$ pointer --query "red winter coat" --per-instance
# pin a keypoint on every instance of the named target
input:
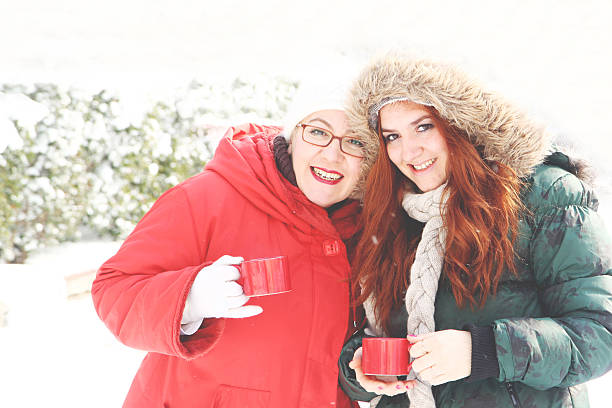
(239, 205)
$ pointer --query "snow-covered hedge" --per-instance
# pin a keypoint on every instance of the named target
(72, 161)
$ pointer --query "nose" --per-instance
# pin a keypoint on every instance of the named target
(411, 148)
(332, 151)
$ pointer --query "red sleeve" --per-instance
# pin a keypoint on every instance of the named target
(141, 291)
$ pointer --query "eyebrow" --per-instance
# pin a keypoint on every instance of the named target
(414, 122)
(322, 121)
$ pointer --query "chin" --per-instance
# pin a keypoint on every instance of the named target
(429, 187)
(321, 202)
(324, 198)
(325, 202)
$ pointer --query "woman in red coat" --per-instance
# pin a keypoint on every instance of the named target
(171, 288)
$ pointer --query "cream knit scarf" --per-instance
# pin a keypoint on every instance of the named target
(424, 275)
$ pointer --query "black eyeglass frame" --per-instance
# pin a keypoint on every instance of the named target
(304, 125)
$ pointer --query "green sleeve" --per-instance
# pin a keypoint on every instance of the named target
(570, 257)
(346, 375)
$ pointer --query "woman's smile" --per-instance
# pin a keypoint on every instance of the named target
(326, 176)
(423, 166)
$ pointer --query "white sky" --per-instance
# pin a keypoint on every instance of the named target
(551, 56)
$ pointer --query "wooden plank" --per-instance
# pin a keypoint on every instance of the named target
(79, 284)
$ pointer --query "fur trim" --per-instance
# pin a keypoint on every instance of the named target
(569, 159)
(497, 128)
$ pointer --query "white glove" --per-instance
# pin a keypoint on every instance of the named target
(442, 356)
(215, 293)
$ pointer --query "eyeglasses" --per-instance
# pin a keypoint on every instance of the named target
(321, 137)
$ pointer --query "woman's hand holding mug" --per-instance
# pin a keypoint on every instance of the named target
(442, 356)
(381, 385)
(215, 293)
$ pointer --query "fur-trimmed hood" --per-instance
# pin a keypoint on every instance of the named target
(498, 129)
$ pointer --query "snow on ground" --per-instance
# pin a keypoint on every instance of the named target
(56, 352)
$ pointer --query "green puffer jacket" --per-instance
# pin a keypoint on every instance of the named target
(549, 326)
(552, 323)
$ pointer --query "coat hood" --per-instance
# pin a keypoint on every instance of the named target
(245, 159)
(500, 131)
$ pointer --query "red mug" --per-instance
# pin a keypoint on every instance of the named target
(264, 276)
(385, 356)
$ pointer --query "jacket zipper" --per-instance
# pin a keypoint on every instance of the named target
(513, 396)
(356, 325)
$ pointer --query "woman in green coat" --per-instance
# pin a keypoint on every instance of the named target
(480, 244)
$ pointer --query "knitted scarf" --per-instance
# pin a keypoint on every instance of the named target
(424, 275)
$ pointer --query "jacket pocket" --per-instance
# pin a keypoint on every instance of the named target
(228, 396)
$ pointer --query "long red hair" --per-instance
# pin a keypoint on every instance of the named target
(481, 221)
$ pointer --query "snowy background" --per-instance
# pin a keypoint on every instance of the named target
(553, 58)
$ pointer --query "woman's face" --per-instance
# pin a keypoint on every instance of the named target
(325, 175)
(415, 144)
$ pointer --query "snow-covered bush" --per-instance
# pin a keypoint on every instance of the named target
(86, 162)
